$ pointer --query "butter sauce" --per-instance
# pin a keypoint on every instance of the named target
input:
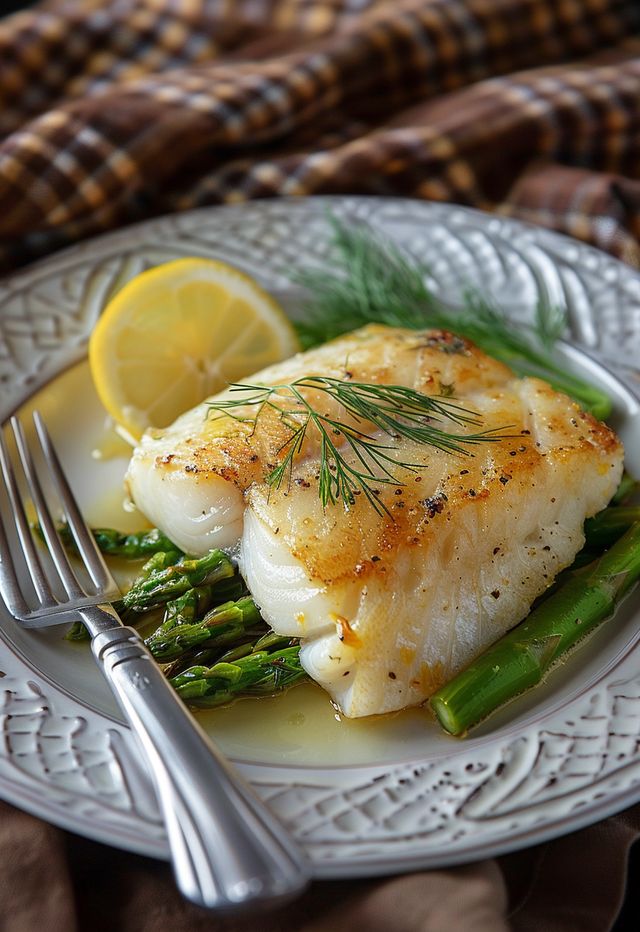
(299, 727)
(111, 446)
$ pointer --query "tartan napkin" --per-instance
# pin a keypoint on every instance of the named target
(114, 112)
(111, 113)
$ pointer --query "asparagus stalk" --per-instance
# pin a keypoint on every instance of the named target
(114, 543)
(188, 607)
(77, 632)
(605, 528)
(203, 657)
(206, 656)
(223, 625)
(195, 602)
(183, 610)
(161, 582)
(159, 561)
(522, 657)
(228, 590)
(133, 546)
(626, 490)
(259, 673)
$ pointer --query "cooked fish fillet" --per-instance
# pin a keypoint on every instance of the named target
(390, 607)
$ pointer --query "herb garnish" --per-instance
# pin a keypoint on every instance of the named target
(394, 410)
(370, 280)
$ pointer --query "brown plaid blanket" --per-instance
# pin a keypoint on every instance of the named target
(112, 112)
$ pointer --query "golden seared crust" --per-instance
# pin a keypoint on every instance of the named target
(545, 430)
(207, 443)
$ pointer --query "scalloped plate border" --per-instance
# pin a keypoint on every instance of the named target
(561, 770)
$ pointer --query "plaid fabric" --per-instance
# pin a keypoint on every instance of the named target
(110, 113)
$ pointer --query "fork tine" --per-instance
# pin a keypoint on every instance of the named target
(29, 549)
(56, 548)
(9, 585)
(85, 541)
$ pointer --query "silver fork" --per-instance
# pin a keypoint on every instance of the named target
(227, 849)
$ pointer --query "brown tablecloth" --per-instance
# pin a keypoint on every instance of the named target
(54, 882)
(113, 112)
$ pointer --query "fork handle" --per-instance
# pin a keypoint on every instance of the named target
(227, 849)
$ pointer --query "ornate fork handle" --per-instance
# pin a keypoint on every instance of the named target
(227, 849)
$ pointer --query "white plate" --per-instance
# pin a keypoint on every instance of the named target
(363, 797)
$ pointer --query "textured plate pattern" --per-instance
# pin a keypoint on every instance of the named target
(557, 771)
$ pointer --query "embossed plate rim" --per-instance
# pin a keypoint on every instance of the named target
(366, 855)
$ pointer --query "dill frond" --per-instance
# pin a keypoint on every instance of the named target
(370, 280)
(395, 411)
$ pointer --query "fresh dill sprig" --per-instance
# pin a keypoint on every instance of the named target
(370, 280)
(394, 410)
(550, 323)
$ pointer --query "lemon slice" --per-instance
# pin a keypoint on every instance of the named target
(179, 333)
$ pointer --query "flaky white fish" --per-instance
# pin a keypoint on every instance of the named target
(390, 605)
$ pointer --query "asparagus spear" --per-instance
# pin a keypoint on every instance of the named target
(626, 490)
(223, 625)
(522, 657)
(206, 656)
(77, 632)
(258, 674)
(606, 527)
(114, 543)
(133, 546)
(203, 657)
(195, 602)
(188, 607)
(159, 561)
(228, 590)
(162, 583)
(183, 610)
